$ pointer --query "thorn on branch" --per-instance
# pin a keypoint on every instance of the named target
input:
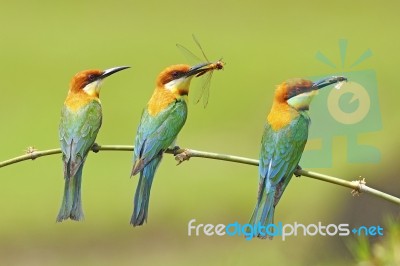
(357, 191)
(183, 155)
(31, 151)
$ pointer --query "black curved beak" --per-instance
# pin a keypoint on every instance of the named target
(328, 81)
(200, 68)
(110, 71)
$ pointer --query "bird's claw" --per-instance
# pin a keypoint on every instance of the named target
(298, 168)
(176, 150)
(95, 147)
(182, 156)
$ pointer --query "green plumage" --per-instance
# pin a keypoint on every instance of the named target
(155, 134)
(280, 154)
(77, 132)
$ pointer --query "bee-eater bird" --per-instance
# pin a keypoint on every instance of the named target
(81, 118)
(160, 124)
(282, 144)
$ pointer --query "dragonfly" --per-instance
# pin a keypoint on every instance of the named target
(204, 91)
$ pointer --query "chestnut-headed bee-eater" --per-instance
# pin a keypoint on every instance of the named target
(160, 124)
(282, 144)
(80, 122)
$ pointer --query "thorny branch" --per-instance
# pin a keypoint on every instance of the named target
(182, 155)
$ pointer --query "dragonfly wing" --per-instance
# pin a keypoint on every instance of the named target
(206, 88)
(201, 48)
(191, 57)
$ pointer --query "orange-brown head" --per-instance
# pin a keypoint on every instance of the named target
(177, 78)
(174, 79)
(287, 91)
(298, 93)
(173, 83)
(89, 81)
(295, 95)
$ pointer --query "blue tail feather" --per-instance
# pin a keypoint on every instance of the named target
(263, 213)
(71, 206)
(142, 195)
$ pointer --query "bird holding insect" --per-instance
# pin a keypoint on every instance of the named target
(204, 91)
(161, 121)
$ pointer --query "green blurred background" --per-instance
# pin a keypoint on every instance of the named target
(263, 43)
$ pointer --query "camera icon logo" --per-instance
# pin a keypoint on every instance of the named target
(349, 112)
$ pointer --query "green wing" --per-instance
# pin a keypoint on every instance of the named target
(156, 133)
(280, 154)
(77, 133)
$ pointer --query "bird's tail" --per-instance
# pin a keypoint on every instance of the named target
(142, 195)
(263, 214)
(71, 206)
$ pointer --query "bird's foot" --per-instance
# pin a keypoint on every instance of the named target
(95, 147)
(176, 150)
(183, 155)
(296, 172)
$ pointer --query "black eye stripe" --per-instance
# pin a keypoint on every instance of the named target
(177, 74)
(91, 77)
(173, 75)
(298, 90)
